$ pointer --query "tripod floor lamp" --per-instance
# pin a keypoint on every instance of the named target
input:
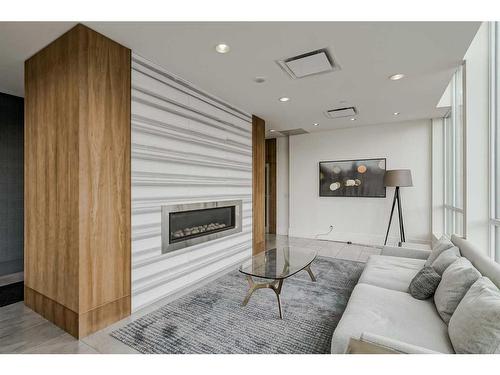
(397, 178)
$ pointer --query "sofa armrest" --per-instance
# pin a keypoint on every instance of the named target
(393, 345)
(404, 252)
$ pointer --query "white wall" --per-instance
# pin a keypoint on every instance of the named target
(477, 113)
(363, 220)
(282, 183)
(187, 147)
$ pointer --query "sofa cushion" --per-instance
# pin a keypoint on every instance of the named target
(455, 282)
(445, 259)
(477, 256)
(475, 325)
(390, 272)
(424, 283)
(393, 314)
(441, 245)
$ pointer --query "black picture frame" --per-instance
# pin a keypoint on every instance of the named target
(367, 184)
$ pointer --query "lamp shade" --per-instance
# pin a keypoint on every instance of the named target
(398, 177)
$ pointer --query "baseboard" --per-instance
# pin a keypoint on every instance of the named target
(51, 310)
(103, 316)
(360, 238)
(77, 325)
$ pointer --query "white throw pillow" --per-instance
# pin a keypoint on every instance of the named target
(441, 245)
(475, 325)
(455, 282)
(445, 259)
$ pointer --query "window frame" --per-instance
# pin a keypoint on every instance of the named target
(494, 128)
(454, 215)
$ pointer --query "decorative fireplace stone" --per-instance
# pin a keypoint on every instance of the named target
(184, 225)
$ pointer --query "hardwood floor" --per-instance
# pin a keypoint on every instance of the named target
(24, 331)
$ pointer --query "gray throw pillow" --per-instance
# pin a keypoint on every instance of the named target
(455, 282)
(424, 283)
(441, 245)
(445, 259)
(475, 325)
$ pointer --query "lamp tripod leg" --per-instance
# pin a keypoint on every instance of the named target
(401, 223)
(390, 218)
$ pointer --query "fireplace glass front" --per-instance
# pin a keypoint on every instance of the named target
(196, 223)
(185, 225)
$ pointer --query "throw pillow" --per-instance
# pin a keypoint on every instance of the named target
(455, 282)
(475, 325)
(424, 283)
(445, 259)
(441, 245)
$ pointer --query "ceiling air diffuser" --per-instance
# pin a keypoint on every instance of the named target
(308, 64)
(341, 112)
(293, 132)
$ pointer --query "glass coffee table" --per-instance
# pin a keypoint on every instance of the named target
(276, 265)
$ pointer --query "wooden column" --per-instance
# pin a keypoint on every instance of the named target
(258, 184)
(77, 181)
(271, 193)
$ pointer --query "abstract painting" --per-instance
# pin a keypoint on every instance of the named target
(352, 178)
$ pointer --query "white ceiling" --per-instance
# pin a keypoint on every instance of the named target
(367, 52)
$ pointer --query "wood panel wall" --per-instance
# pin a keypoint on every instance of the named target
(77, 181)
(271, 193)
(258, 183)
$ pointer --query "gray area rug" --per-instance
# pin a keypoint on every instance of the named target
(212, 320)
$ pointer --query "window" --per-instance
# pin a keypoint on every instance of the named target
(453, 137)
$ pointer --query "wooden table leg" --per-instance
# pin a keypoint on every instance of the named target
(308, 269)
(274, 285)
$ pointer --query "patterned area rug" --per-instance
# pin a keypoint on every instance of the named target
(212, 320)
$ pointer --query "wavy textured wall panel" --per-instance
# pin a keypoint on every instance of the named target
(187, 147)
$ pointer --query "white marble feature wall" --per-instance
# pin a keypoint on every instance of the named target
(187, 147)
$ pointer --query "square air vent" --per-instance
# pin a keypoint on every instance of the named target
(293, 132)
(341, 112)
(308, 64)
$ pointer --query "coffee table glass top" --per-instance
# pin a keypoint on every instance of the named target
(278, 263)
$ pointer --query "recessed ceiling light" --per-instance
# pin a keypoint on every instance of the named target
(316, 124)
(284, 99)
(396, 77)
(222, 48)
(353, 119)
(259, 79)
(396, 113)
(271, 130)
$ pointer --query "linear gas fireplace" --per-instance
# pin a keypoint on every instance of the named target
(186, 225)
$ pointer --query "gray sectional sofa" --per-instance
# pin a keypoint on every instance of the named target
(382, 312)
